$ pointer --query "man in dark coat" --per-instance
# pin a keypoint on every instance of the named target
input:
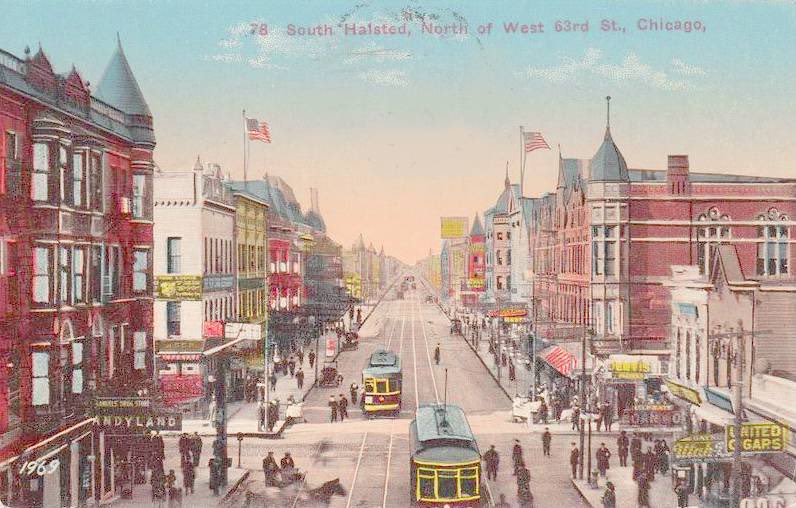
(437, 354)
(609, 496)
(516, 455)
(682, 494)
(543, 412)
(574, 457)
(354, 389)
(650, 464)
(270, 469)
(492, 460)
(576, 417)
(635, 447)
(273, 415)
(546, 439)
(300, 378)
(311, 358)
(183, 444)
(623, 444)
(332, 409)
(603, 455)
(608, 416)
(342, 407)
(287, 461)
(215, 476)
(157, 447)
(196, 448)
(523, 479)
(643, 491)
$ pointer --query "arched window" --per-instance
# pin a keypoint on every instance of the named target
(772, 244)
(712, 231)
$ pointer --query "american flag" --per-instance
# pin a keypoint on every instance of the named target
(258, 130)
(534, 141)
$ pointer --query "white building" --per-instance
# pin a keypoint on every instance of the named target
(194, 270)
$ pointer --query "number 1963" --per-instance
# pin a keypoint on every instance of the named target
(39, 467)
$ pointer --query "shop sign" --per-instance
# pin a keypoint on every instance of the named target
(697, 446)
(213, 329)
(121, 405)
(251, 283)
(757, 437)
(632, 366)
(653, 415)
(453, 227)
(140, 421)
(475, 283)
(177, 389)
(178, 287)
(218, 282)
(683, 392)
(179, 346)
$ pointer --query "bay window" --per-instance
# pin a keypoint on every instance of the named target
(140, 270)
(139, 193)
(65, 280)
(78, 179)
(39, 190)
(139, 347)
(77, 367)
(95, 181)
(78, 275)
(64, 176)
(42, 275)
(40, 371)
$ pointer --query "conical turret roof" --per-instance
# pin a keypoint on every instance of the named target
(477, 228)
(608, 164)
(119, 88)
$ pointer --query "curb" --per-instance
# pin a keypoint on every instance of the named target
(494, 377)
(580, 492)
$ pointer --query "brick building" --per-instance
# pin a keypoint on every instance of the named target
(75, 275)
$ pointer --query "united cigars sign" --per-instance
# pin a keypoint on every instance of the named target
(132, 414)
(758, 437)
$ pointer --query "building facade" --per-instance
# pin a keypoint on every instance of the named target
(76, 271)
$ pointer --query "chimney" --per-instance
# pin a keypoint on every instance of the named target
(677, 175)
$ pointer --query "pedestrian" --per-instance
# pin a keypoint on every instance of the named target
(272, 379)
(682, 494)
(333, 409)
(622, 444)
(557, 408)
(574, 457)
(157, 446)
(300, 355)
(311, 358)
(437, 354)
(492, 460)
(287, 462)
(342, 407)
(576, 417)
(270, 470)
(175, 498)
(603, 456)
(650, 462)
(354, 390)
(543, 411)
(635, 447)
(546, 438)
(609, 496)
(157, 484)
(516, 455)
(512, 374)
(523, 479)
(608, 417)
(300, 378)
(273, 415)
(188, 478)
(663, 457)
(182, 446)
(643, 491)
(291, 365)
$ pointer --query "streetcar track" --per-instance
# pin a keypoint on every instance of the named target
(428, 357)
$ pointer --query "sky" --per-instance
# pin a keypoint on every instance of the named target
(398, 130)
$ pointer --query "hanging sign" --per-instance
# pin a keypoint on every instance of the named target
(757, 437)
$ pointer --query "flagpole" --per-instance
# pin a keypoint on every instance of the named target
(245, 151)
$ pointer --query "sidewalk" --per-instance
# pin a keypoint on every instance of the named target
(661, 490)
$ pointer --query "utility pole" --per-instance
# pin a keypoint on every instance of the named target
(220, 445)
(737, 390)
(582, 403)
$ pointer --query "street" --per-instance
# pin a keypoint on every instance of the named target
(371, 456)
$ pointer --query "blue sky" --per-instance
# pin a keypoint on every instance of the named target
(411, 128)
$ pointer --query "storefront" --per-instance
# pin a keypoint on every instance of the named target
(630, 381)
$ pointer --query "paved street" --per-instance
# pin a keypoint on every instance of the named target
(370, 456)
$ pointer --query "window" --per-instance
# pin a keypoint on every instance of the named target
(710, 234)
(508, 235)
(425, 483)
(78, 275)
(95, 181)
(140, 270)
(697, 355)
(11, 164)
(772, 246)
(499, 281)
(688, 355)
(500, 236)
(41, 378)
(508, 257)
(446, 484)
(95, 273)
(5, 257)
(78, 179)
(139, 191)
(610, 258)
(173, 254)
(41, 172)
(173, 318)
(498, 257)
(64, 176)
(65, 282)
(42, 281)
(110, 278)
(77, 367)
(139, 347)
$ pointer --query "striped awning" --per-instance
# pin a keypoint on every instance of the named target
(560, 359)
(180, 357)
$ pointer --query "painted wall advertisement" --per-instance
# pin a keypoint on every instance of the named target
(178, 287)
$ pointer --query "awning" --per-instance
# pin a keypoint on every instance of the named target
(560, 359)
(180, 357)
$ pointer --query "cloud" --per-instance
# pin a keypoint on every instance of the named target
(389, 77)
(630, 70)
(685, 69)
